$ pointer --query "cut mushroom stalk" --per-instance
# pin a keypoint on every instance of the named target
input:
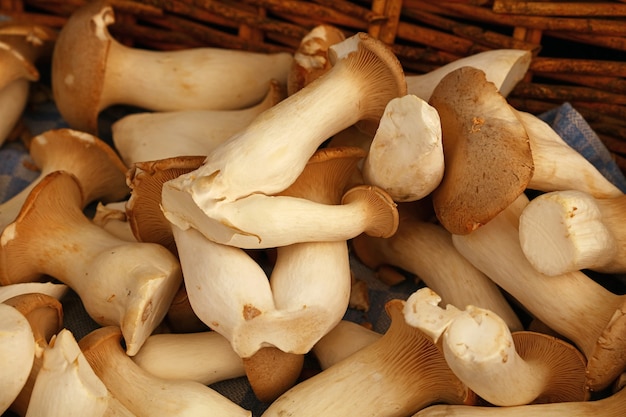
(502, 368)
(396, 375)
(146, 395)
(503, 67)
(129, 284)
(276, 146)
(565, 231)
(148, 136)
(486, 148)
(406, 155)
(584, 312)
(111, 73)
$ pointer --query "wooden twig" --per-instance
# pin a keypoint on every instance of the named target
(439, 40)
(611, 84)
(566, 93)
(49, 20)
(386, 30)
(352, 9)
(611, 42)
(548, 8)
(579, 66)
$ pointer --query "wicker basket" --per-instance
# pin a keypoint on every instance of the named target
(579, 48)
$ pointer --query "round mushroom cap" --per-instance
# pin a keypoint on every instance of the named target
(486, 150)
(79, 64)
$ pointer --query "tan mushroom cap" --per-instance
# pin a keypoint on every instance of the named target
(486, 149)
(383, 214)
(20, 47)
(143, 208)
(78, 77)
(271, 372)
(568, 382)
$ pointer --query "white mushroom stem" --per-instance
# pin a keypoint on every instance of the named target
(149, 136)
(583, 312)
(17, 352)
(146, 395)
(66, 386)
(259, 221)
(206, 357)
(272, 151)
(504, 67)
(129, 284)
(612, 406)
(406, 155)
(560, 167)
(56, 290)
(13, 98)
(396, 375)
(346, 338)
(565, 231)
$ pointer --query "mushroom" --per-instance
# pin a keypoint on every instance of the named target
(44, 314)
(110, 73)
(346, 338)
(426, 250)
(565, 231)
(268, 156)
(146, 395)
(67, 386)
(398, 374)
(21, 46)
(612, 406)
(152, 136)
(486, 148)
(53, 289)
(129, 284)
(558, 166)
(99, 170)
(406, 154)
(206, 357)
(502, 368)
(572, 304)
(17, 348)
(503, 67)
(112, 218)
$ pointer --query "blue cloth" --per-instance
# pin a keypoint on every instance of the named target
(16, 172)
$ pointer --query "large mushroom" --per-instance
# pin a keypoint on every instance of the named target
(107, 72)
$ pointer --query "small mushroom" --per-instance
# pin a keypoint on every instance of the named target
(95, 164)
(503, 67)
(426, 250)
(126, 283)
(488, 160)
(109, 73)
(405, 156)
(268, 156)
(397, 375)
(565, 231)
(150, 136)
(17, 348)
(502, 368)
(144, 394)
(206, 357)
(572, 304)
(66, 385)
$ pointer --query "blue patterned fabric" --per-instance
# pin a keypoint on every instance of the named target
(16, 173)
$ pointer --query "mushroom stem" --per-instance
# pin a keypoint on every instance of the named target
(129, 284)
(52, 289)
(396, 375)
(146, 395)
(584, 312)
(276, 146)
(565, 231)
(112, 73)
(13, 99)
(205, 357)
(346, 338)
(504, 369)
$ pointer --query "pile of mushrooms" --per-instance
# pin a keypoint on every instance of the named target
(214, 237)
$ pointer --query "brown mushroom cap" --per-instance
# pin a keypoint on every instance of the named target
(568, 382)
(78, 65)
(486, 149)
(271, 372)
(383, 214)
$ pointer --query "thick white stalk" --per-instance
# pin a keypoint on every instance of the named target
(17, 352)
(584, 311)
(346, 338)
(49, 288)
(205, 357)
(503, 67)
(146, 395)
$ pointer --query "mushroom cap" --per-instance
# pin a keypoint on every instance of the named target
(568, 382)
(143, 208)
(384, 217)
(271, 372)
(486, 149)
(79, 64)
